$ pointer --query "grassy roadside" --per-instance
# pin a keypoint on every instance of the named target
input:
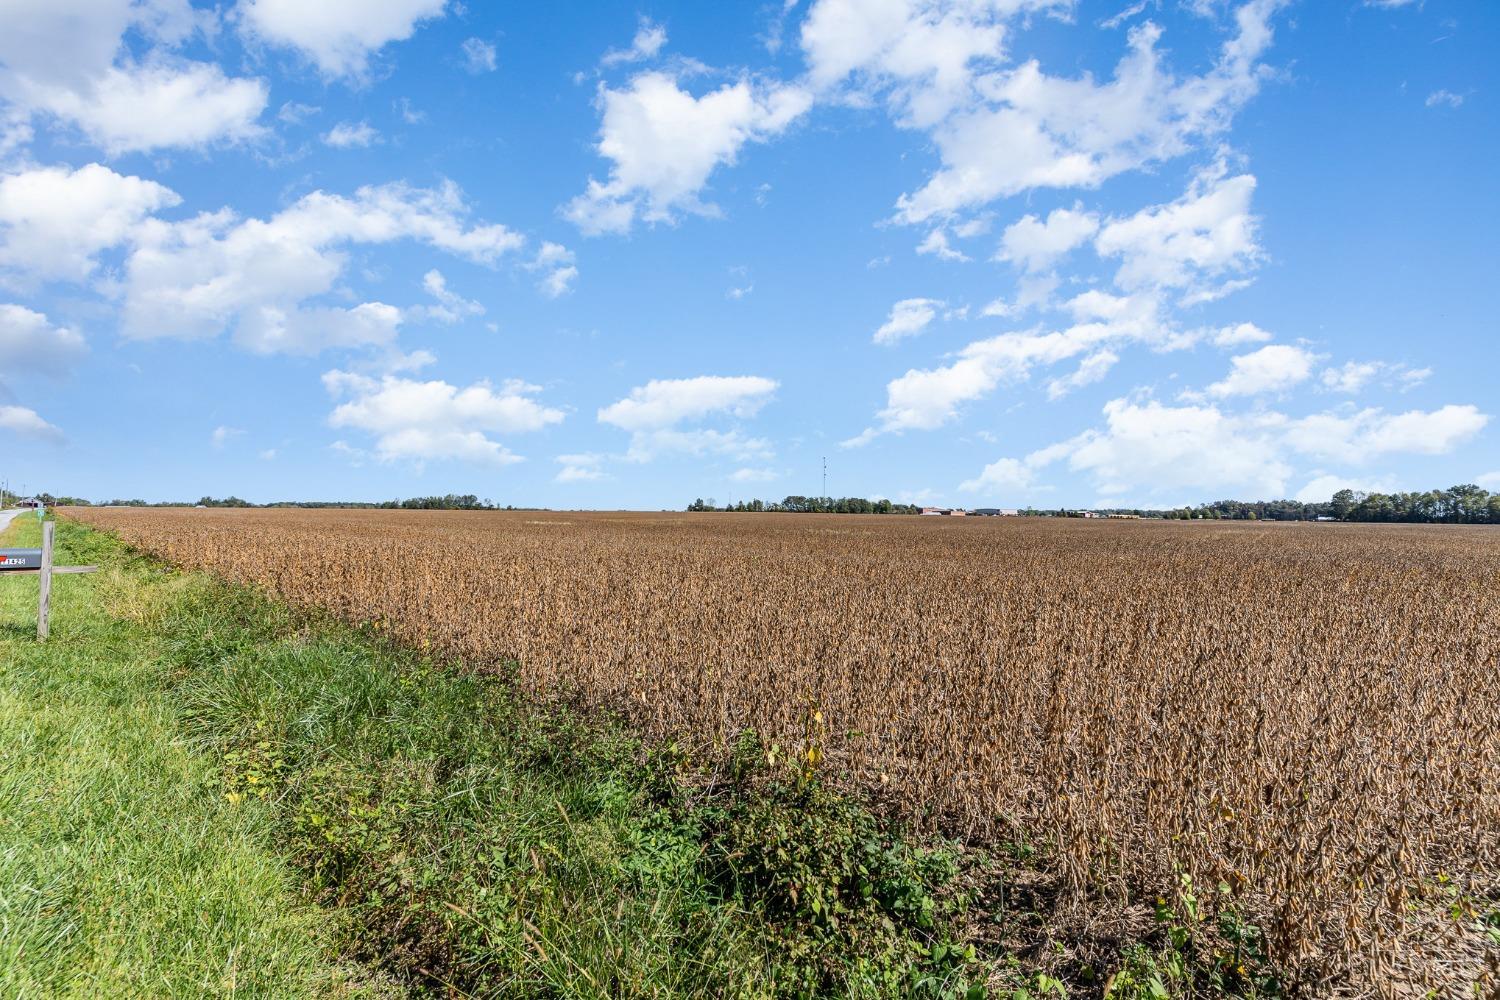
(121, 872)
(189, 768)
(205, 793)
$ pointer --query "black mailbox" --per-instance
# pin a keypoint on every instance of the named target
(20, 559)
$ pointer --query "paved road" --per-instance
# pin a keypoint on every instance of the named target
(7, 515)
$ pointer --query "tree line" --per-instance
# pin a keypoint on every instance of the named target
(809, 505)
(448, 501)
(1462, 504)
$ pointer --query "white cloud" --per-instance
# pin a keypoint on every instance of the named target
(215, 272)
(54, 221)
(434, 420)
(580, 468)
(1000, 476)
(1204, 234)
(655, 412)
(222, 435)
(69, 61)
(925, 399)
(1162, 450)
(908, 318)
(338, 36)
(1445, 99)
(1356, 437)
(1273, 368)
(750, 474)
(1034, 292)
(349, 135)
(1173, 448)
(479, 56)
(1092, 369)
(664, 143)
(1239, 334)
(451, 306)
(999, 130)
(1353, 376)
(27, 423)
(142, 108)
(556, 262)
(1036, 245)
(923, 55)
(666, 402)
(31, 345)
(648, 41)
(1490, 480)
(937, 244)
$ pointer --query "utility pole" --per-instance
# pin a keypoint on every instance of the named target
(825, 477)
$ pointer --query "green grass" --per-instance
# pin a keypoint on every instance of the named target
(123, 872)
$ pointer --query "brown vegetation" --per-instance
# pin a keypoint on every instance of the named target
(1307, 715)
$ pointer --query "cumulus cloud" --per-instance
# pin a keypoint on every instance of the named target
(337, 36)
(663, 416)
(32, 345)
(351, 135)
(451, 307)
(216, 272)
(1444, 99)
(556, 264)
(1001, 130)
(664, 143)
(1174, 448)
(648, 41)
(1203, 235)
(908, 318)
(1005, 475)
(54, 221)
(1151, 448)
(1238, 335)
(936, 243)
(750, 474)
(580, 468)
(1273, 368)
(421, 421)
(27, 423)
(1359, 436)
(925, 399)
(1354, 376)
(1036, 245)
(70, 62)
(665, 402)
(1092, 369)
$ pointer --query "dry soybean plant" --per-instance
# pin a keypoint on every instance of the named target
(1305, 716)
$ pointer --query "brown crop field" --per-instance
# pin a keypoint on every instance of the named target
(1304, 719)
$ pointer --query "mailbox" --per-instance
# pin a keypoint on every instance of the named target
(20, 559)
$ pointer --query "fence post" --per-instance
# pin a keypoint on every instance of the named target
(44, 602)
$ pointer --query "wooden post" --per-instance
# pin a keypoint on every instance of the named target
(44, 603)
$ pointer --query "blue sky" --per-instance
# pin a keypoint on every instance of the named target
(974, 252)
